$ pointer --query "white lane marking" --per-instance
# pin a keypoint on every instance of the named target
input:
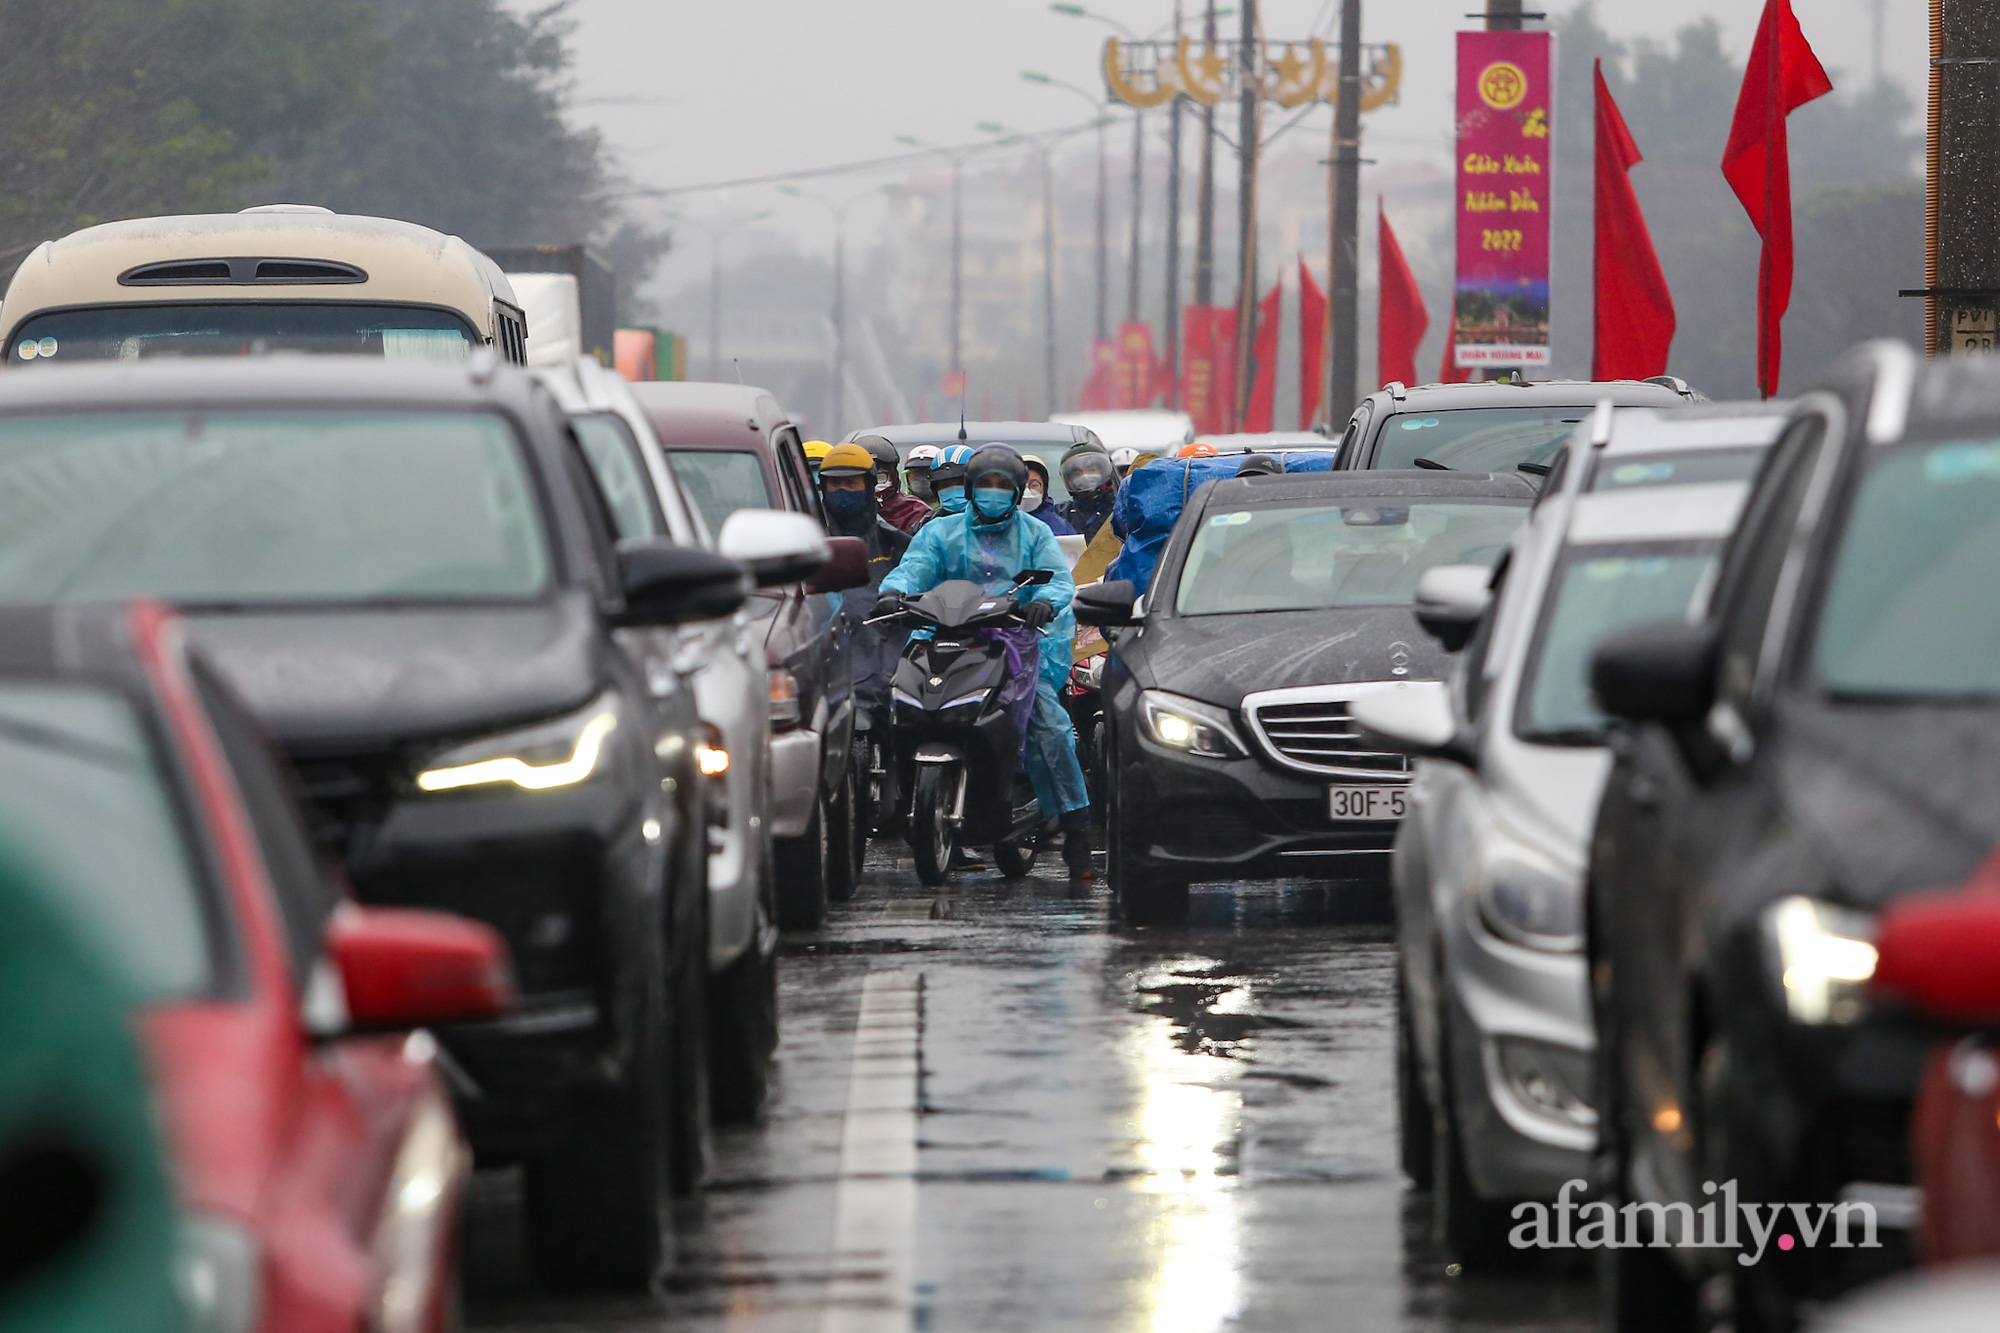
(873, 1254)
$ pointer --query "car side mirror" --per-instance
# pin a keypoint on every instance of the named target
(1661, 671)
(407, 968)
(846, 566)
(1416, 718)
(775, 545)
(665, 584)
(1938, 952)
(1450, 601)
(1107, 605)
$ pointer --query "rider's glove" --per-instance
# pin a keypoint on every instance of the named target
(888, 602)
(1037, 613)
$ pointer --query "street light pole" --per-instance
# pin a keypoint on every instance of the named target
(1103, 123)
(1344, 259)
(837, 399)
(1172, 313)
(1138, 180)
(1049, 279)
(1204, 221)
(1249, 132)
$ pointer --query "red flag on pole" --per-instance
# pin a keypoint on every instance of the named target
(1264, 352)
(1222, 342)
(1400, 319)
(1100, 391)
(1783, 74)
(1635, 311)
(1448, 368)
(1312, 346)
(1198, 368)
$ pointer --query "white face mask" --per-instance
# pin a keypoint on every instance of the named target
(1031, 498)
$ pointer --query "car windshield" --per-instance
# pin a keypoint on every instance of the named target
(83, 803)
(1596, 591)
(1319, 557)
(227, 507)
(1913, 608)
(1485, 439)
(1684, 467)
(243, 328)
(722, 481)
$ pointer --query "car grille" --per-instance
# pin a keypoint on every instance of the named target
(347, 796)
(1318, 736)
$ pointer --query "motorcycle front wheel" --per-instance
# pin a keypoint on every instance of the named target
(933, 834)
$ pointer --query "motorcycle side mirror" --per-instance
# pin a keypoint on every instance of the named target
(1033, 578)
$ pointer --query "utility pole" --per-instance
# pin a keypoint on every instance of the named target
(1344, 241)
(1503, 15)
(1962, 187)
(1049, 277)
(1103, 228)
(1138, 184)
(715, 305)
(1249, 135)
(1204, 199)
(1173, 310)
(957, 259)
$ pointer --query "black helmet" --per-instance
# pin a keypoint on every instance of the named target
(1259, 465)
(1088, 467)
(888, 463)
(988, 459)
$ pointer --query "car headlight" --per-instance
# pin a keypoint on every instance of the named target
(1824, 955)
(1190, 726)
(559, 753)
(1526, 898)
(217, 1270)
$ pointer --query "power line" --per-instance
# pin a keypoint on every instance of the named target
(866, 164)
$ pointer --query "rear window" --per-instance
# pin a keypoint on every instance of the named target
(246, 328)
(722, 481)
(1684, 467)
(1484, 439)
(83, 801)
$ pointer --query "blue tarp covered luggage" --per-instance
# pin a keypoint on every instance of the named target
(1151, 499)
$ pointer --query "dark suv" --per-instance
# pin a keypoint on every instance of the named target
(733, 448)
(1822, 741)
(408, 574)
(1495, 426)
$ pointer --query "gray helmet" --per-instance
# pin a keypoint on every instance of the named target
(1088, 467)
(888, 463)
(988, 459)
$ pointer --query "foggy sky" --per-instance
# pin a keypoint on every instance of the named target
(692, 92)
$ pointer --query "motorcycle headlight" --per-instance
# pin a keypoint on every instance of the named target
(1824, 957)
(217, 1273)
(1190, 726)
(558, 753)
(1528, 899)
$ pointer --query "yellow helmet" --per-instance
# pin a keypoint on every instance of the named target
(845, 460)
(817, 450)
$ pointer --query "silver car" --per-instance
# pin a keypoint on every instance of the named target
(1495, 1050)
(727, 674)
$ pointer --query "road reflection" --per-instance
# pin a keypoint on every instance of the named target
(1189, 1124)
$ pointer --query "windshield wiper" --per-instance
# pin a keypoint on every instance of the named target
(1534, 469)
(1432, 465)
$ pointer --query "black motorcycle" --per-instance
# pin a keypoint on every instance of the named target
(1083, 696)
(956, 748)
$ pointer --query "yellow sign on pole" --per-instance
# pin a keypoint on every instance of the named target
(1151, 74)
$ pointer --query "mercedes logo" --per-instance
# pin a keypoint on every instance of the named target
(1399, 658)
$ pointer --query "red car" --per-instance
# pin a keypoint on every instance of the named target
(318, 1161)
(1939, 954)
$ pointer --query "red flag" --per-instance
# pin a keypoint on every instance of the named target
(1137, 366)
(1782, 75)
(1448, 368)
(1264, 353)
(1312, 345)
(1635, 311)
(1222, 342)
(1400, 318)
(1100, 391)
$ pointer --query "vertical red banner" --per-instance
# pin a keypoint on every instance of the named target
(1312, 345)
(1506, 106)
(1137, 367)
(1100, 391)
(1197, 368)
(1264, 352)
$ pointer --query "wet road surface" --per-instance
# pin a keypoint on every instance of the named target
(1184, 1129)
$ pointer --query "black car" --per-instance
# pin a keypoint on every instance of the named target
(407, 572)
(1277, 600)
(1822, 741)
(1493, 426)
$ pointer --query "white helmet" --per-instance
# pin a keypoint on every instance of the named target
(1123, 456)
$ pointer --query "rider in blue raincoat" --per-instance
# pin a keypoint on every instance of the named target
(991, 542)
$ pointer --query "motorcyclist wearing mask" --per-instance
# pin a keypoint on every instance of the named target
(991, 542)
(948, 481)
(917, 474)
(1035, 500)
(902, 512)
(1092, 480)
(847, 491)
